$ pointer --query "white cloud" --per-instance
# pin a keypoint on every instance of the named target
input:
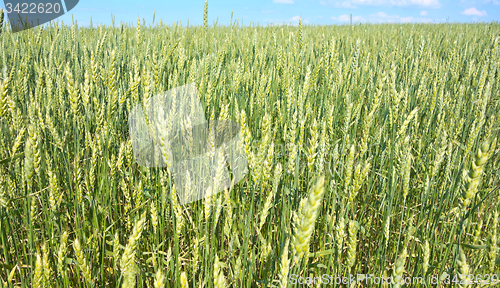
(337, 4)
(406, 19)
(423, 13)
(347, 18)
(370, 2)
(382, 17)
(494, 2)
(284, 1)
(294, 21)
(425, 3)
(474, 12)
(344, 18)
(389, 3)
(410, 19)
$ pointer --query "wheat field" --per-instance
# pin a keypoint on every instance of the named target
(372, 149)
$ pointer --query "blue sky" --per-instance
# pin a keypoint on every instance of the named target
(287, 11)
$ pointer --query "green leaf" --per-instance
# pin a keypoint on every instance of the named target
(473, 247)
(317, 265)
(70, 261)
(322, 253)
(7, 160)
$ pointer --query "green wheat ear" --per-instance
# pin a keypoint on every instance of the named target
(463, 268)
(474, 174)
(2, 15)
(38, 276)
(127, 262)
(307, 218)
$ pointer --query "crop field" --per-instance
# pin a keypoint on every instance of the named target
(372, 149)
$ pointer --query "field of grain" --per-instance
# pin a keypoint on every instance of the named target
(371, 148)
